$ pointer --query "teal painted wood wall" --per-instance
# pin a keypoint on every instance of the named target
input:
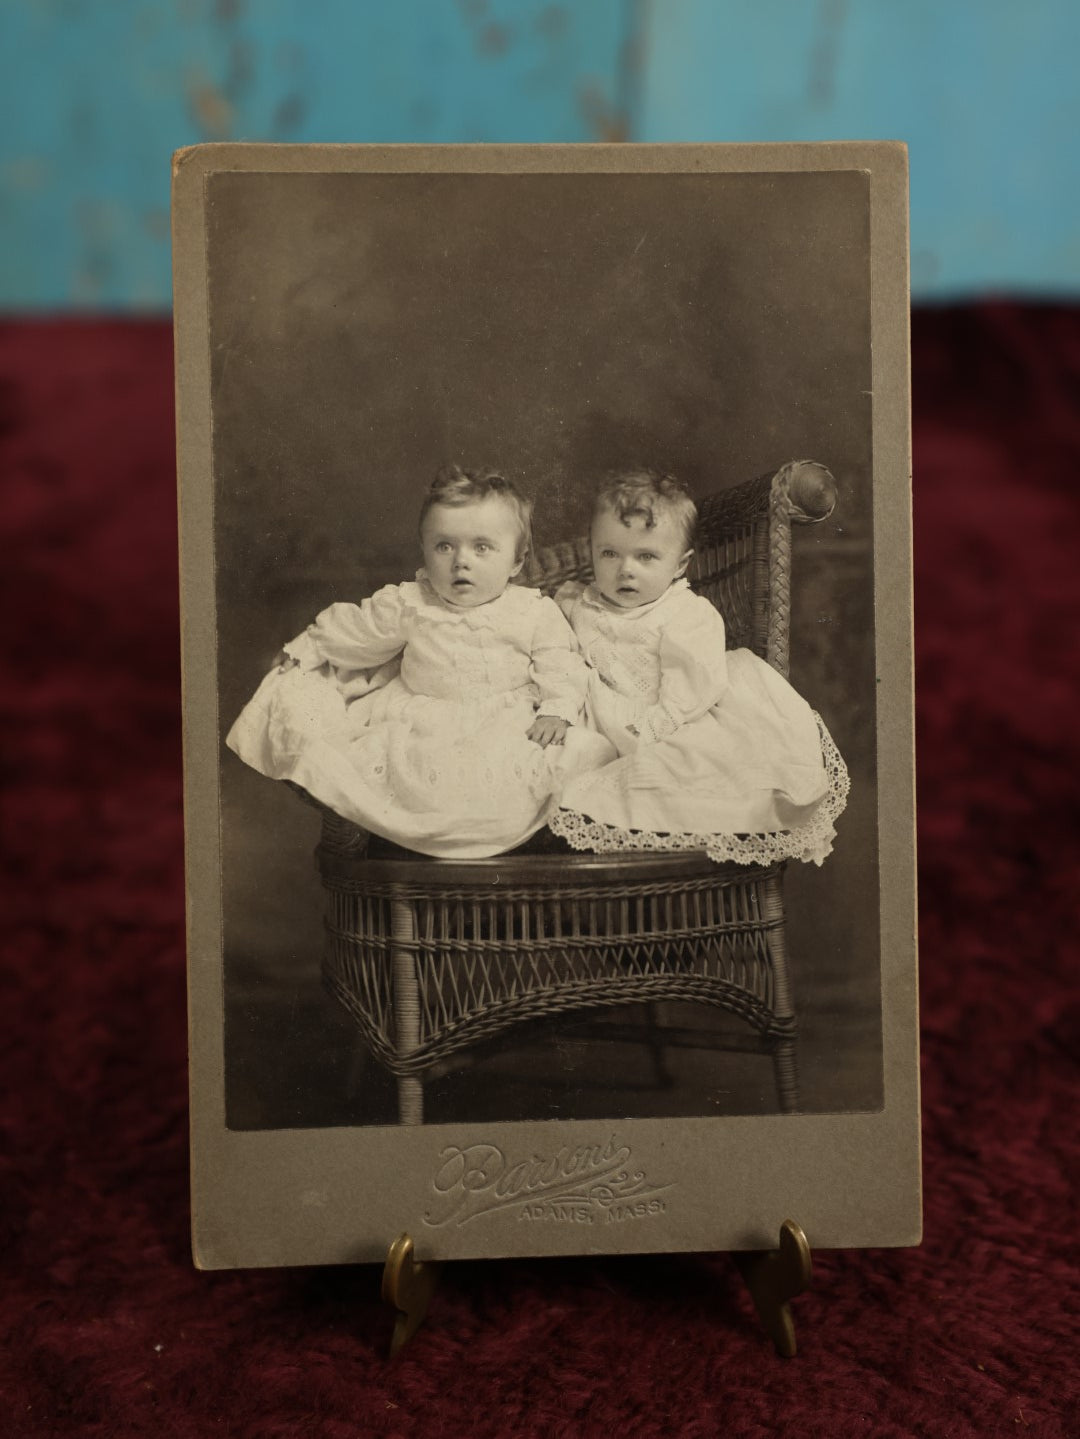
(96, 94)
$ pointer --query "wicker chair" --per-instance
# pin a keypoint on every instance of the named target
(431, 956)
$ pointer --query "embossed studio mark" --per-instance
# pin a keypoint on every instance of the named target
(583, 1184)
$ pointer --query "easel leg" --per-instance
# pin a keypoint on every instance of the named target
(775, 1276)
(407, 1287)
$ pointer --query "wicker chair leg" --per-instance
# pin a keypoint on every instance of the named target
(657, 1048)
(410, 1099)
(786, 1068)
(785, 1061)
(406, 1007)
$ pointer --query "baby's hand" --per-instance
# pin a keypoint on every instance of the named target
(548, 729)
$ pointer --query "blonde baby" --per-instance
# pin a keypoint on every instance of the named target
(716, 751)
(443, 713)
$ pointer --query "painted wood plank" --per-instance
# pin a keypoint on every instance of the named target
(94, 98)
(984, 92)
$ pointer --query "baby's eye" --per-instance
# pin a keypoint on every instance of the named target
(443, 547)
(647, 556)
(482, 548)
(607, 554)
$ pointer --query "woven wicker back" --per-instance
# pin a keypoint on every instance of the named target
(554, 565)
(730, 566)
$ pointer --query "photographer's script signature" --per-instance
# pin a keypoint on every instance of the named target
(584, 1184)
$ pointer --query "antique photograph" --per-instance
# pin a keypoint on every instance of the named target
(544, 664)
(544, 549)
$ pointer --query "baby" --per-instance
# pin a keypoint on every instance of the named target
(716, 750)
(441, 714)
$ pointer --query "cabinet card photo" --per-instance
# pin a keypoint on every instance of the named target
(545, 530)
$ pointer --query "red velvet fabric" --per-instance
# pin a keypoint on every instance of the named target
(108, 1330)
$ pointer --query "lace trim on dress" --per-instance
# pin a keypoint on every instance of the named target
(811, 842)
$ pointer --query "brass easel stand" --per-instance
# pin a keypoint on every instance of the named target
(773, 1276)
(407, 1287)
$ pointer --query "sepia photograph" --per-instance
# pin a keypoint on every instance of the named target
(545, 658)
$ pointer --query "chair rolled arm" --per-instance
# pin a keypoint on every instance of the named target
(812, 491)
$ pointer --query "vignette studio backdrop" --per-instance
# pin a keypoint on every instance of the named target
(367, 328)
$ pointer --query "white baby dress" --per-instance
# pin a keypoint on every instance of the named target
(409, 716)
(716, 750)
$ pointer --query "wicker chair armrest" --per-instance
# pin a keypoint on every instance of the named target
(810, 491)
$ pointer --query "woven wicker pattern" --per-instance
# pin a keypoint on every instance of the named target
(485, 960)
(429, 963)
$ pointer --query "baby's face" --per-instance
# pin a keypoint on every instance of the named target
(634, 564)
(470, 551)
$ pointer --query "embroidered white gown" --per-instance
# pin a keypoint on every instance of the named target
(409, 716)
(716, 750)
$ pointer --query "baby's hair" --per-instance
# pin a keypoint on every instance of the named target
(649, 495)
(455, 486)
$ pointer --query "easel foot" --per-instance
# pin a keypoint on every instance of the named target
(407, 1287)
(775, 1276)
